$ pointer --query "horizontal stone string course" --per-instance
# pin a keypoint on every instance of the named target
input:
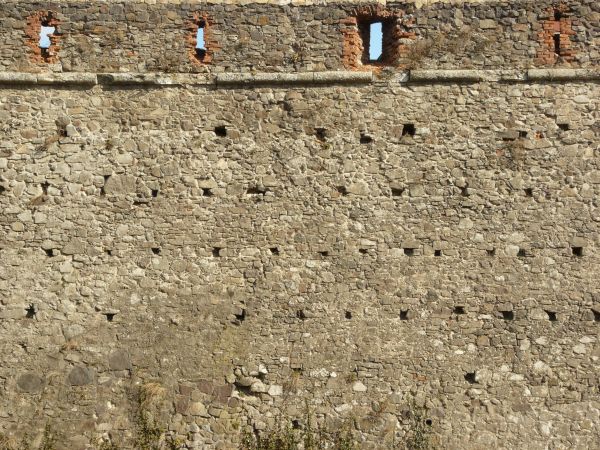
(290, 79)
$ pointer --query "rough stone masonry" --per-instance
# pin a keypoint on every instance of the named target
(279, 221)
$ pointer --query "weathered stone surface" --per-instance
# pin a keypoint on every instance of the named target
(80, 376)
(119, 360)
(30, 382)
(269, 228)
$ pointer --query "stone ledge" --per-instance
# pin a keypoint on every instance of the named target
(244, 79)
(563, 74)
(227, 80)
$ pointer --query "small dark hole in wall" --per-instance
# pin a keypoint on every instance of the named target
(207, 192)
(45, 186)
(596, 315)
(109, 252)
(365, 138)
(300, 314)
(321, 134)
(324, 253)
(221, 131)
(428, 422)
(551, 316)
(491, 252)
(437, 253)
(397, 192)
(508, 315)
(528, 192)
(459, 310)
(363, 251)
(102, 191)
(348, 315)
(563, 126)
(49, 252)
(154, 193)
(342, 190)
(110, 316)
(556, 38)
(521, 253)
(241, 316)
(464, 191)
(296, 424)
(30, 311)
(156, 250)
(522, 134)
(409, 129)
(274, 250)
(409, 251)
(2, 189)
(256, 190)
(470, 377)
(216, 251)
(404, 314)
(577, 251)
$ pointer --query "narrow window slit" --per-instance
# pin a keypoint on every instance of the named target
(557, 15)
(375, 41)
(556, 38)
(200, 41)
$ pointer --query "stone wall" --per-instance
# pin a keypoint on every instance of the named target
(138, 36)
(249, 242)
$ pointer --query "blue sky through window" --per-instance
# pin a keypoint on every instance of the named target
(200, 39)
(45, 36)
(376, 44)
